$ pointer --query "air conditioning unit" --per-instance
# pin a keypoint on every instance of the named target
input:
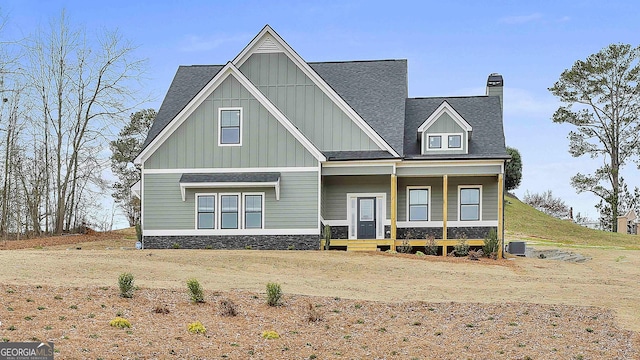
(517, 248)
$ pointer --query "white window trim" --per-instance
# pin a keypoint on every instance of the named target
(444, 142)
(244, 196)
(220, 195)
(215, 211)
(479, 205)
(428, 188)
(381, 210)
(220, 110)
(429, 136)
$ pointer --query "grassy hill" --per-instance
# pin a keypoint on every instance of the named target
(523, 222)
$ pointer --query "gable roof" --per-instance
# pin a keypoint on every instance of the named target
(192, 104)
(375, 89)
(483, 113)
(445, 108)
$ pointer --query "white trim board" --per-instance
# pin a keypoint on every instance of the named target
(229, 185)
(203, 232)
(267, 31)
(228, 170)
(450, 224)
(227, 70)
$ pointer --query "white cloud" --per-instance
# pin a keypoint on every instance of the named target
(520, 19)
(194, 43)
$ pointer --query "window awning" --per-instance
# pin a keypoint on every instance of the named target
(230, 180)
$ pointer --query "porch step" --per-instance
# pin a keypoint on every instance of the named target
(362, 245)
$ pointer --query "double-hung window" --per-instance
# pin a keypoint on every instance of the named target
(253, 211)
(469, 203)
(418, 209)
(230, 127)
(206, 211)
(229, 211)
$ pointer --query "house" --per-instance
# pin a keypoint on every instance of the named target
(628, 223)
(267, 149)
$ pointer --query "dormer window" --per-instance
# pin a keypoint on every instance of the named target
(435, 142)
(455, 141)
(444, 131)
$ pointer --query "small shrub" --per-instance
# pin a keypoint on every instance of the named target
(462, 247)
(196, 294)
(11, 328)
(247, 247)
(327, 237)
(175, 245)
(291, 247)
(196, 328)
(119, 322)
(125, 283)
(420, 253)
(313, 315)
(490, 247)
(430, 246)
(270, 335)
(161, 309)
(274, 294)
(227, 308)
(405, 247)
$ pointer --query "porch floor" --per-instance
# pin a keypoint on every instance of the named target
(372, 244)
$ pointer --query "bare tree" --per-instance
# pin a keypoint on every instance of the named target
(548, 204)
(83, 90)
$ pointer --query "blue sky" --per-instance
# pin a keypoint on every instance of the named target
(451, 48)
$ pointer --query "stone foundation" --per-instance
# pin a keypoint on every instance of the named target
(234, 242)
(418, 233)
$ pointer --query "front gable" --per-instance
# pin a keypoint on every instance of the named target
(304, 97)
(445, 131)
(192, 139)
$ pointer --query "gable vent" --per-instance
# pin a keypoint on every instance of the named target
(268, 46)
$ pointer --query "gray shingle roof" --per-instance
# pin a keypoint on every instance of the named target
(357, 155)
(376, 90)
(231, 177)
(187, 83)
(483, 113)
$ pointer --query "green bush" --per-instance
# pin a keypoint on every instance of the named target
(405, 247)
(462, 247)
(274, 294)
(125, 283)
(490, 247)
(327, 237)
(139, 232)
(196, 294)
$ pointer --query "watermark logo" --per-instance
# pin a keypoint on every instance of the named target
(26, 351)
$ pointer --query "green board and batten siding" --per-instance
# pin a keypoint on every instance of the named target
(445, 124)
(265, 142)
(296, 209)
(305, 104)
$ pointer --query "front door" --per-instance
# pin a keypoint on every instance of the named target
(366, 218)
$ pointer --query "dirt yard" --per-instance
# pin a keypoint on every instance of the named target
(369, 305)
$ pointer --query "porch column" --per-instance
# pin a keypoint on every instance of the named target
(500, 215)
(445, 198)
(394, 209)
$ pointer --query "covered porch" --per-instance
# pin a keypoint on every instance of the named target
(379, 206)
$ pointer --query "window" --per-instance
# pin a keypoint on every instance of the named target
(230, 127)
(253, 211)
(206, 211)
(418, 204)
(229, 211)
(455, 141)
(435, 142)
(469, 203)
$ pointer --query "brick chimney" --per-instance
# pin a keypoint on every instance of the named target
(495, 84)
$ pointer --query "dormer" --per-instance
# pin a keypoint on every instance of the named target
(445, 131)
